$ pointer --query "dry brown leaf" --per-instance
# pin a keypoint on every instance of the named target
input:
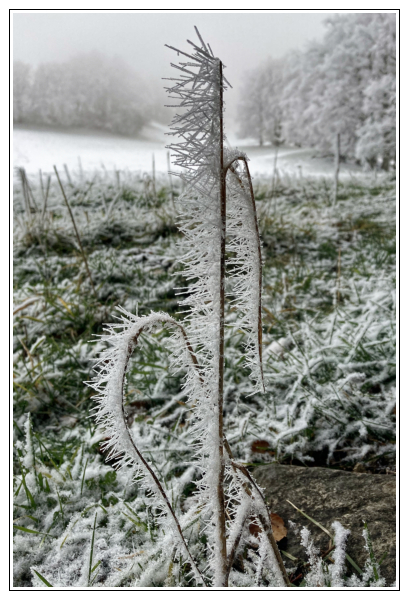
(277, 524)
(262, 447)
(279, 529)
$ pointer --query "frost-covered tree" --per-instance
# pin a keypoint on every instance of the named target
(89, 90)
(49, 99)
(349, 69)
(21, 91)
(106, 94)
(377, 136)
(260, 112)
(329, 85)
(345, 84)
(217, 215)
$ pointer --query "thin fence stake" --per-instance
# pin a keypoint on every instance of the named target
(153, 177)
(337, 156)
(76, 231)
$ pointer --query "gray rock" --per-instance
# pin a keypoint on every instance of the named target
(329, 495)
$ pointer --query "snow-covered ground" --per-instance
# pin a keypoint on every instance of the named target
(41, 148)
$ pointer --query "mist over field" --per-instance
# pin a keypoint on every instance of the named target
(336, 74)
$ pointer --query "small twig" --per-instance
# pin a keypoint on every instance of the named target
(274, 181)
(28, 208)
(235, 545)
(131, 555)
(76, 231)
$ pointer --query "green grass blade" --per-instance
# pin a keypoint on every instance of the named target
(371, 553)
(31, 531)
(290, 556)
(353, 564)
(83, 475)
(43, 579)
(92, 551)
(95, 566)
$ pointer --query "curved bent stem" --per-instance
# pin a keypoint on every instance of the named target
(131, 347)
(236, 540)
(230, 166)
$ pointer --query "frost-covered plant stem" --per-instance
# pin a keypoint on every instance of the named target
(113, 365)
(220, 475)
(252, 201)
(219, 222)
(210, 227)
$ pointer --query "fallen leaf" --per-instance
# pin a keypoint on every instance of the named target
(277, 524)
(261, 447)
(279, 529)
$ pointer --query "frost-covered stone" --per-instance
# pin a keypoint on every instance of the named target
(329, 495)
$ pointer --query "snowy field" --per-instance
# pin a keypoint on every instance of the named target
(329, 366)
(41, 148)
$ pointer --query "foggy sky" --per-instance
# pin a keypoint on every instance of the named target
(242, 40)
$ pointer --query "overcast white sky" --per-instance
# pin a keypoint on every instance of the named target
(242, 40)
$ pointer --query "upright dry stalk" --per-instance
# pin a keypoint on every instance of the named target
(213, 174)
(27, 192)
(170, 178)
(44, 194)
(154, 177)
(336, 162)
(220, 474)
(273, 190)
(77, 235)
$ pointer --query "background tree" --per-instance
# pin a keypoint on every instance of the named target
(260, 107)
(346, 84)
(21, 91)
(90, 90)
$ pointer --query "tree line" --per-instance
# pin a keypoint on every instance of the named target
(345, 84)
(89, 90)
